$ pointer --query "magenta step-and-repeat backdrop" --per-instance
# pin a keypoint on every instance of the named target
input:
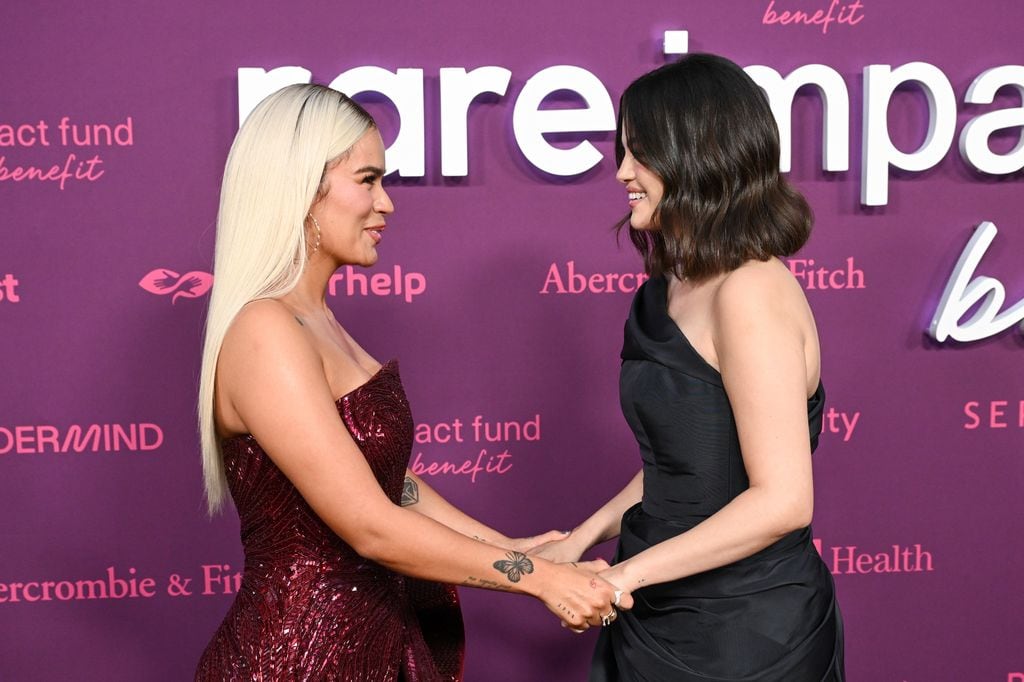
(502, 290)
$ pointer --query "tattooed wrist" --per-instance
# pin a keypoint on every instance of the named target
(514, 566)
(410, 492)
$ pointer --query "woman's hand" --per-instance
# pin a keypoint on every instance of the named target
(561, 550)
(580, 598)
(528, 544)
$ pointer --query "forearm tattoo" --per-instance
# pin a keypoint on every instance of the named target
(515, 566)
(485, 583)
(410, 492)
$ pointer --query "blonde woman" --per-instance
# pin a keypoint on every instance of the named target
(311, 434)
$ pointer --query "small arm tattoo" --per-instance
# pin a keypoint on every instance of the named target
(299, 320)
(515, 566)
(485, 583)
(410, 492)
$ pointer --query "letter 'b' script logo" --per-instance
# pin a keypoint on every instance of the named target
(190, 285)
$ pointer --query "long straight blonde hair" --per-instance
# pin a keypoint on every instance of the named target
(274, 174)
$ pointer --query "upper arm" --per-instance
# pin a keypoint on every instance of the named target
(274, 379)
(760, 340)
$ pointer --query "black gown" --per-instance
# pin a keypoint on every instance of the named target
(771, 616)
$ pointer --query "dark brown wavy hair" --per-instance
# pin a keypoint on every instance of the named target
(705, 128)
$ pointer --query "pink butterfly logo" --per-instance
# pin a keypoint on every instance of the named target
(190, 285)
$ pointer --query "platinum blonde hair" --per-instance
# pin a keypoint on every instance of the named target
(273, 175)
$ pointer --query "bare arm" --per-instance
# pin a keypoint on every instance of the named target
(418, 496)
(762, 342)
(273, 379)
(604, 524)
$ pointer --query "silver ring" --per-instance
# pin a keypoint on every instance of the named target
(608, 618)
(618, 596)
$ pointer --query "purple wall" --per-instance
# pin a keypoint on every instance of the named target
(922, 454)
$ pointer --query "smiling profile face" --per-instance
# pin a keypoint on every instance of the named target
(644, 189)
(351, 214)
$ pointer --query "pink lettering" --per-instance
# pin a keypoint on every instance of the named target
(25, 592)
(847, 14)
(992, 414)
(97, 589)
(8, 286)
(969, 410)
(997, 410)
(812, 279)
(439, 433)
(217, 580)
(409, 285)
(151, 436)
(25, 135)
(120, 588)
(838, 422)
(87, 135)
(574, 282)
(147, 587)
(380, 284)
(847, 560)
(47, 435)
(109, 587)
(24, 440)
(65, 591)
(493, 464)
(850, 19)
(87, 170)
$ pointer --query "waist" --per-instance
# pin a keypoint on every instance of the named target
(328, 571)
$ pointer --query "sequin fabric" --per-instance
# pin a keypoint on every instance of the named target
(309, 607)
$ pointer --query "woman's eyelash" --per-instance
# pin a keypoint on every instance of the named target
(370, 179)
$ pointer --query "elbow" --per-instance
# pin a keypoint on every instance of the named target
(373, 541)
(803, 515)
(796, 515)
(369, 546)
(785, 514)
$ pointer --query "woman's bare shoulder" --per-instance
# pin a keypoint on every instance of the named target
(758, 286)
(265, 330)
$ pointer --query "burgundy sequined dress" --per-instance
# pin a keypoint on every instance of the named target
(311, 608)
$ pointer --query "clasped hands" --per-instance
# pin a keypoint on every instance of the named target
(579, 594)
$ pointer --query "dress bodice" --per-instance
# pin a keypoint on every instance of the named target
(677, 408)
(309, 606)
(272, 511)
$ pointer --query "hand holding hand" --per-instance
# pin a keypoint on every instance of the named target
(528, 544)
(562, 549)
(580, 598)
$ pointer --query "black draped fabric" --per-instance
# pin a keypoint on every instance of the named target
(771, 616)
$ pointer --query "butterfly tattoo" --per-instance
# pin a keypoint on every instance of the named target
(516, 565)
